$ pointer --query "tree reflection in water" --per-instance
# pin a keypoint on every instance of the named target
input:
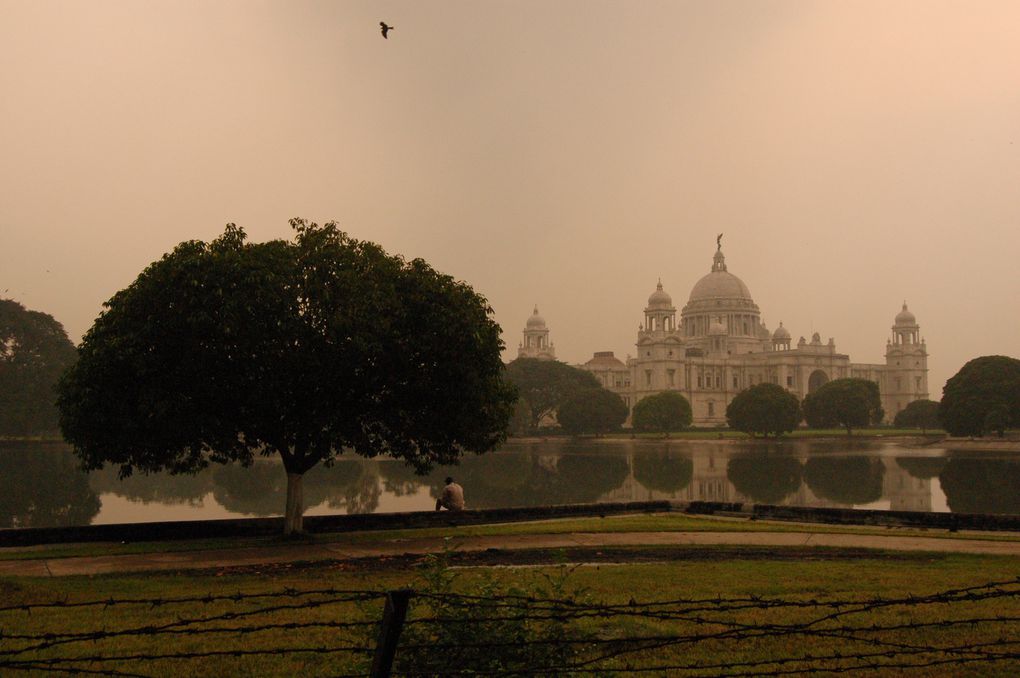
(42, 486)
(766, 477)
(663, 470)
(158, 488)
(845, 480)
(261, 489)
(923, 468)
(523, 477)
(981, 485)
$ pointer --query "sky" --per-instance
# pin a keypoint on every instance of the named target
(568, 154)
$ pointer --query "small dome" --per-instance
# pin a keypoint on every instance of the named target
(781, 333)
(536, 321)
(717, 327)
(659, 298)
(905, 317)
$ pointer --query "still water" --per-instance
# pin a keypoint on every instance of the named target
(40, 484)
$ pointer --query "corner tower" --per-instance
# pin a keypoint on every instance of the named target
(906, 365)
(536, 339)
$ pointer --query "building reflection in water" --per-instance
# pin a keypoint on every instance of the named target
(41, 485)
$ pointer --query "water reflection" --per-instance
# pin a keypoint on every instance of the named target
(765, 477)
(922, 467)
(261, 489)
(41, 486)
(974, 485)
(159, 488)
(40, 483)
(845, 480)
(663, 471)
(524, 478)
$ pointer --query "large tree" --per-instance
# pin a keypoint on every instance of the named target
(546, 384)
(850, 403)
(220, 351)
(922, 414)
(34, 352)
(662, 412)
(596, 410)
(766, 409)
(989, 384)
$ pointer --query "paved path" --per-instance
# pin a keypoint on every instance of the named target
(395, 547)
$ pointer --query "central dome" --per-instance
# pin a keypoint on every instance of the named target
(719, 284)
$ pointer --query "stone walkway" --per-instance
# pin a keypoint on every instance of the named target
(282, 553)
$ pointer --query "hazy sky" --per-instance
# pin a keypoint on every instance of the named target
(855, 154)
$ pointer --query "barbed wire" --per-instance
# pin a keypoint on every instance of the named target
(65, 603)
(864, 644)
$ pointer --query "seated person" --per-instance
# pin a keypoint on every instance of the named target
(452, 498)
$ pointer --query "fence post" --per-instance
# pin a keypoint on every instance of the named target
(389, 632)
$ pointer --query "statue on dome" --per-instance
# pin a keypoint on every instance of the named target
(718, 241)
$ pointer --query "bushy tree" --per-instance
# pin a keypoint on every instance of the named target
(850, 403)
(547, 384)
(982, 385)
(662, 412)
(34, 352)
(766, 409)
(595, 411)
(922, 414)
(220, 351)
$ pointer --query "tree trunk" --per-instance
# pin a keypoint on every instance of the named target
(293, 520)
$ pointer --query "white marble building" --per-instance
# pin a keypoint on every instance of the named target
(720, 346)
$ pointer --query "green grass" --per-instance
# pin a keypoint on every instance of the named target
(661, 522)
(878, 574)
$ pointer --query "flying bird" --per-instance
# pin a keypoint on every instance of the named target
(385, 29)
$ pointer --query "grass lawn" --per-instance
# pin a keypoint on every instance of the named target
(661, 522)
(286, 621)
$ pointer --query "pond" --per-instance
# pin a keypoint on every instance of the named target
(40, 484)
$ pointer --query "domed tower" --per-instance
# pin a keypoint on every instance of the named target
(660, 315)
(781, 338)
(723, 297)
(536, 339)
(906, 365)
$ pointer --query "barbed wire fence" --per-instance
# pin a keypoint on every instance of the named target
(337, 632)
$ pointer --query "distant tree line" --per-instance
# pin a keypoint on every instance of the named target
(984, 397)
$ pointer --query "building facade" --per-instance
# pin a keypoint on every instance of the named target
(719, 346)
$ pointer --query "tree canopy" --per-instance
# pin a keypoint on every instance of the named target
(850, 403)
(596, 410)
(662, 412)
(766, 409)
(220, 351)
(546, 384)
(34, 352)
(922, 414)
(986, 385)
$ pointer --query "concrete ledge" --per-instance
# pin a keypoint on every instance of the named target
(836, 516)
(261, 527)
